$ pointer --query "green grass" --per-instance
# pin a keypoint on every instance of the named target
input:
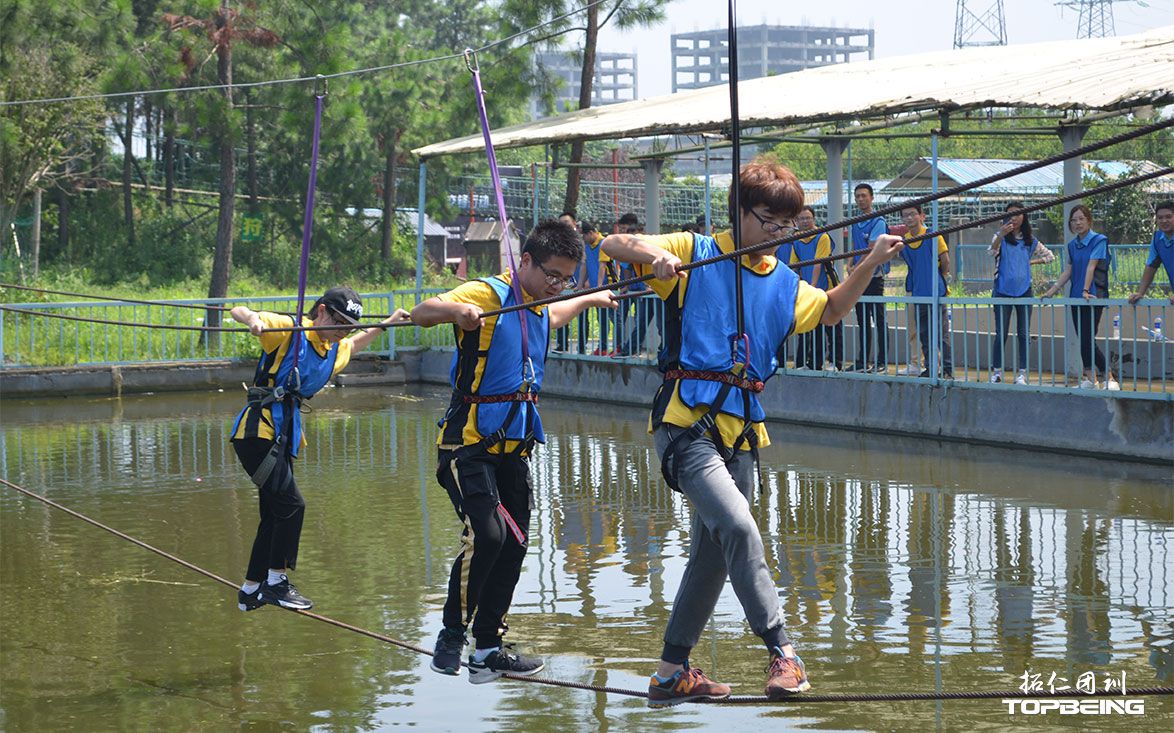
(38, 341)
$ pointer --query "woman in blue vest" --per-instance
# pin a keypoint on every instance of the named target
(487, 434)
(1015, 251)
(1161, 252)
(267, 434)
(707, 422)
(1087, 270)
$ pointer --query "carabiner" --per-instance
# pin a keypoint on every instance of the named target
(528, 376)
(471, 61)
(319, 86)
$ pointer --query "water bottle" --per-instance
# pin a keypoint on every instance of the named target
(950, 320)
(1157, 332)
(1117, 326)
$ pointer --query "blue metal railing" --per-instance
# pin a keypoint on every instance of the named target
(1131, 340)
(976, 265)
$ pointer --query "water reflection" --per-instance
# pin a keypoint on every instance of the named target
(902, 564)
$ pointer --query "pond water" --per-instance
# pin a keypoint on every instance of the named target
(903, 564)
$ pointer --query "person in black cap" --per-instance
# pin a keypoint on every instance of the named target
(267, 434)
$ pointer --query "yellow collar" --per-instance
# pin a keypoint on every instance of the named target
(725, 242)
(315, 338)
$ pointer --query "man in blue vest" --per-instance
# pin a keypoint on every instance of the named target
(487, 434)
(706, 420)
(1161, 251)
(863, 235)
(929, 263)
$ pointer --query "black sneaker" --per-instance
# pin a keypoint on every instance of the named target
(249, 601)
(502, 662)
(285, 595)
(446, 655)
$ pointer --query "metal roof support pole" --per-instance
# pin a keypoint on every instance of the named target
(1071, 136)
(708, 198)
(420, 238)
(834, 149)
(652, 168)
(935, 320)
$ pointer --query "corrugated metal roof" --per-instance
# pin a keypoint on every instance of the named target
(955, 171)
(1097, 73)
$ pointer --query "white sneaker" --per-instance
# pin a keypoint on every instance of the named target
(830, 368)
(1113, 386)
(1021, 378)
(909, 370)
(1086, 384)
(996, 377)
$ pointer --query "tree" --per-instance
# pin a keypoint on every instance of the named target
(222, 29)
(626, 14)
(44, 144)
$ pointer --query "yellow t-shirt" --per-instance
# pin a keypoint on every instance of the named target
(275, 345)
(823, 248)
(809, 306)
(942, 248)
(473, 348)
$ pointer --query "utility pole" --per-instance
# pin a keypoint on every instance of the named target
(1096, 16)
(973, 27)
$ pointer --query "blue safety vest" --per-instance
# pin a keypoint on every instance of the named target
(1081, 250)
(1013, 268)
(865, 233)
(805, 249)
(923, 269)
(708, 324)
(502, 373)
(1162, 249)
(315, 370)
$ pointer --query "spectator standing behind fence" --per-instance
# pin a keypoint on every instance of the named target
(1015, 251)
(810, 349)
(928, 261)
(592, 273)
(1161, 251)
(864, 234)
(563, 336)
(1087, 270)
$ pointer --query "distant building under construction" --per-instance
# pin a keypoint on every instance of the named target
(700, 59)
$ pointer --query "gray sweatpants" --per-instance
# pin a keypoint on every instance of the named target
(724, 541)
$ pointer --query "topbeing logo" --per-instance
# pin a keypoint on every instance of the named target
(353, 308)
(1102, 706)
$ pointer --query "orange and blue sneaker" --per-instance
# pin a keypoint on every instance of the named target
(686, 685)
(785, 676)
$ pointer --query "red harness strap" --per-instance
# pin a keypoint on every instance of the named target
(492, 399)
(750, 385)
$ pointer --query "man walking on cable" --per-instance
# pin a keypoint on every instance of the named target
(707, 423)
(487, 435)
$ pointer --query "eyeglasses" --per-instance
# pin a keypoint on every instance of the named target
(555, 280)
(771, 227)
(337, 320)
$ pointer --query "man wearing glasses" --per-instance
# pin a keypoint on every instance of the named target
(707, 423)
(487, 434)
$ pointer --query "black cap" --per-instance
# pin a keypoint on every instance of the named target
(344, 303)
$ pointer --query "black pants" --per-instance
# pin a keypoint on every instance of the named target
(809, 349)
(282, 511)
(924, 311)
(1086, 319)
(487, 491)
(875, 313)
(1002, 322)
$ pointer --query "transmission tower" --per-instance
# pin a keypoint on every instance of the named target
(986, 28)
(1096, 17)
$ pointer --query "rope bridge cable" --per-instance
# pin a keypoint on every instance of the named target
(630, 281)
(114, 299)
(739, 699)
(301, 79)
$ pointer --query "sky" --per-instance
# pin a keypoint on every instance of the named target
(902, 26)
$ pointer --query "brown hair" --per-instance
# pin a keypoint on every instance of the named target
(771, 185)
(1082, 209)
